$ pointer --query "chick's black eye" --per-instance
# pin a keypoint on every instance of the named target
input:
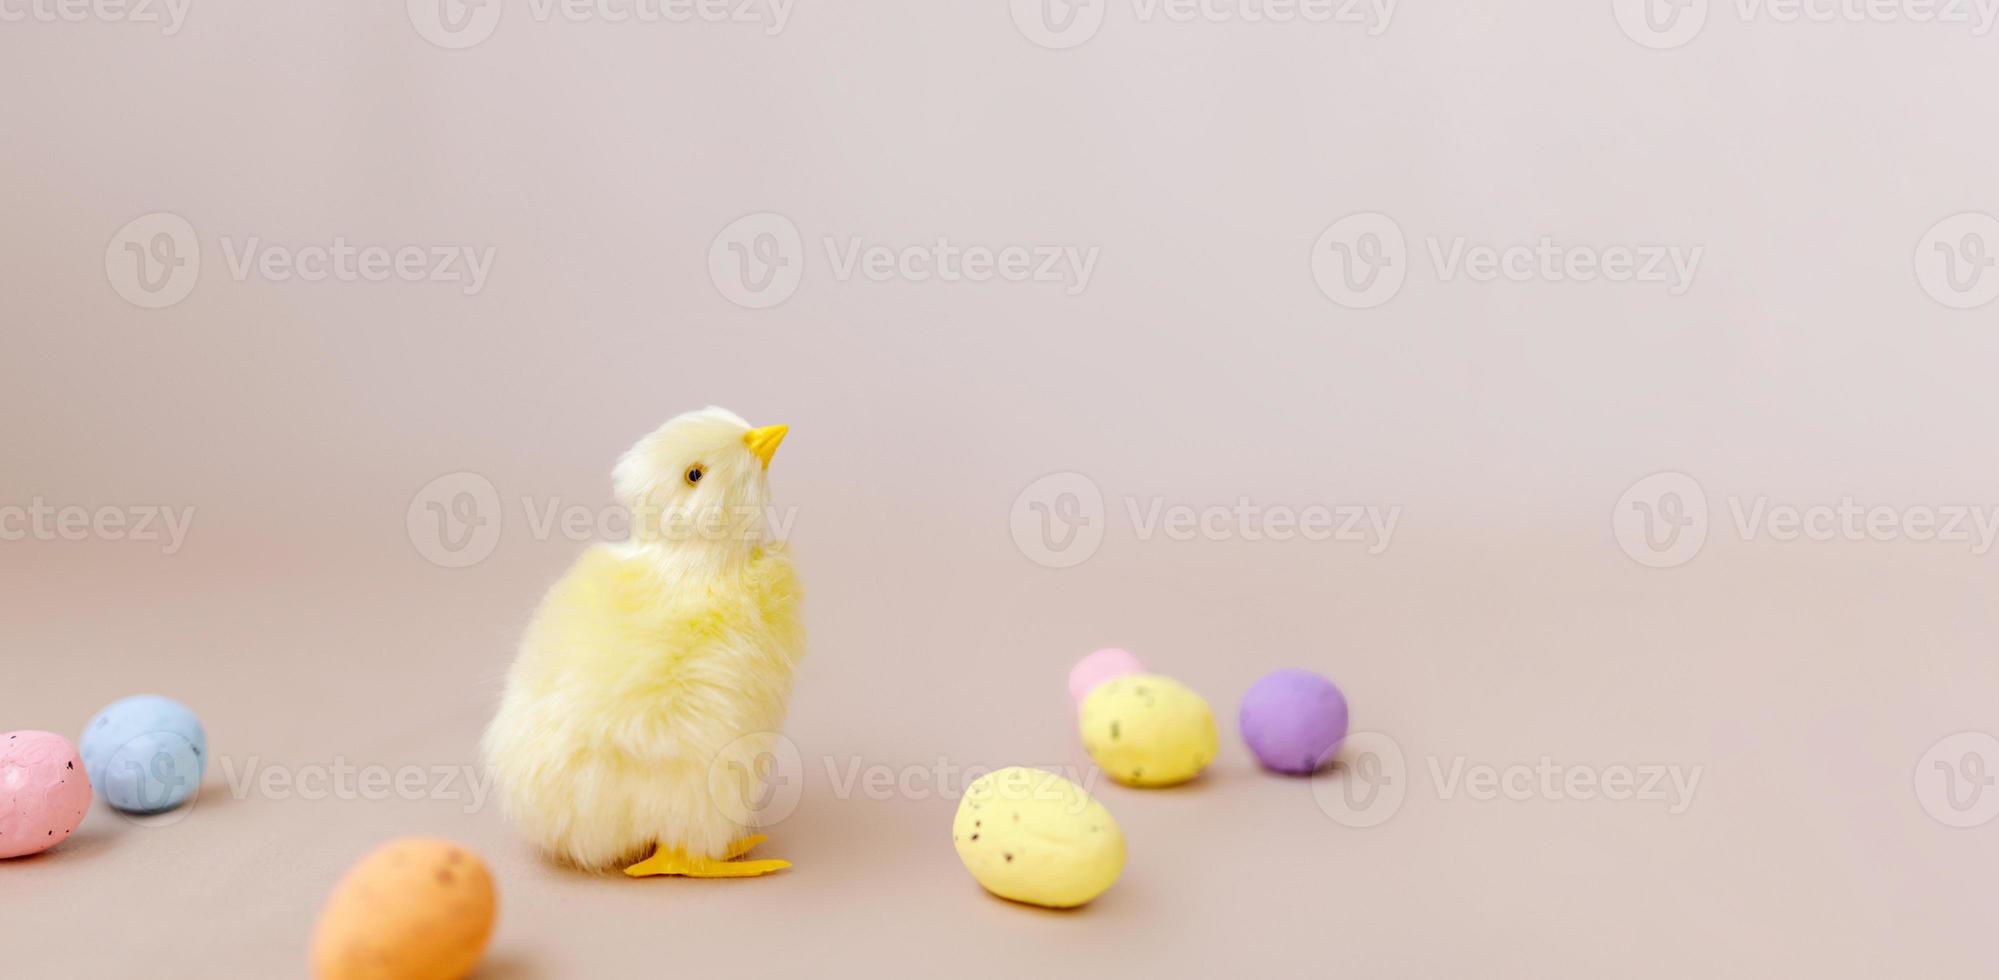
(693, 475)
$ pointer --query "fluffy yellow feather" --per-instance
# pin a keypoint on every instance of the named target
(656, 673)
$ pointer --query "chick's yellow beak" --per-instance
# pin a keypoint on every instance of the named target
(763, 442)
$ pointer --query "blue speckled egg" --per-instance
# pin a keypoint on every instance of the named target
(145, 753)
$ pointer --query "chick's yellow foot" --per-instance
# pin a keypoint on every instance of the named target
(673, 861)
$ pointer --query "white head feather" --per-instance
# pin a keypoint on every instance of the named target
(695, 489)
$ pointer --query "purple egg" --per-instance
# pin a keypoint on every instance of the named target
(1294, 720)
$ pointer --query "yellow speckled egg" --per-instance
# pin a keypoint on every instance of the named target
(415, 909)
(1148, 730)
(1035, 837)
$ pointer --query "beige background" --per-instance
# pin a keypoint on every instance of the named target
(1202, 364)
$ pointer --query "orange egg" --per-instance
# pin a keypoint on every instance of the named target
(415, 909)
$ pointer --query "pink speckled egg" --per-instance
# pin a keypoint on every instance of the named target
(43, 792)
(1107, 664)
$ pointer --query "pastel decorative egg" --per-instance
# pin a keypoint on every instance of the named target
(1148, 730)
(1104, 665)
(414, 909)
(1294, 721)
(43, 792)
(1032, 836)
(145, 753)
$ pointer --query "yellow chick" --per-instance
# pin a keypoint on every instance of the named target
(655, 675)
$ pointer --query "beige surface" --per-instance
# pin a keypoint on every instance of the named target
(1806, 683)
(1503, 624)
